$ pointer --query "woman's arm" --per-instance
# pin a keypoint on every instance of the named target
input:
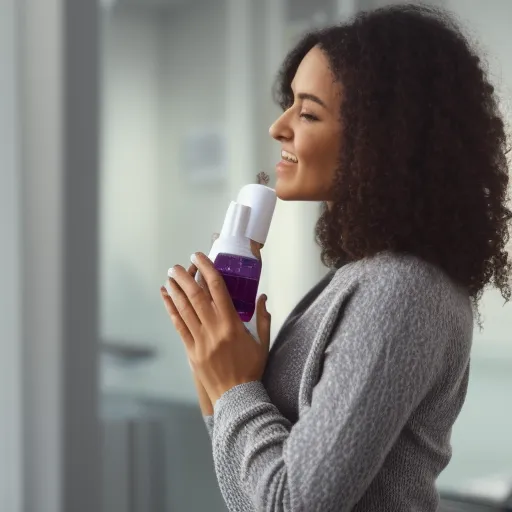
(374, 375)
(205, 404)
(204, 401)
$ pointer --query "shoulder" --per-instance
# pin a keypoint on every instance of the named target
(401, 276)
(398, 292)
(404, 317)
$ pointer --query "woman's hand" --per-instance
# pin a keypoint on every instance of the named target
(205, 403)
(221, 351)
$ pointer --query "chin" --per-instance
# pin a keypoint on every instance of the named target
(290, 191)
(287, 192)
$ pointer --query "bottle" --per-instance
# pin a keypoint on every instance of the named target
(235, 261)
(247, 219)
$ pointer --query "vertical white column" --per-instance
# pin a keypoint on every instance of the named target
(40, 96)
(240, 96)
(11, 471)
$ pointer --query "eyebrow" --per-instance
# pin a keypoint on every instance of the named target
(311, 97)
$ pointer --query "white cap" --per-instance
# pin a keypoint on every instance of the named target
(262, 201)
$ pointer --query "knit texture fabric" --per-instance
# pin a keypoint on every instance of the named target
(362, 386)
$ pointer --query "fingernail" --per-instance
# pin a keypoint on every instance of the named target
(171, 272)
(193, 258)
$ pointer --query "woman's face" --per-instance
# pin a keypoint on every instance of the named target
(309, 133)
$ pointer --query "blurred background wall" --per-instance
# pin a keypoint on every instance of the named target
(128, 126)
(10, 254)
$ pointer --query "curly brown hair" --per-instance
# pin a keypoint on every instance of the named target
(423, 165)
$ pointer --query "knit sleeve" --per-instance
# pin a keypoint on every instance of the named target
(380, 361)
(208, 421)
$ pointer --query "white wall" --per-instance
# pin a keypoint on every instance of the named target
(11, 493)
(41, 92)
(129, 173)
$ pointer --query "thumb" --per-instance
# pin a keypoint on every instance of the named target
(263, 320)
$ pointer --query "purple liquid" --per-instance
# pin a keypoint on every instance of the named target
(242, 276)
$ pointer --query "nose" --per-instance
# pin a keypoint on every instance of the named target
(280, 129)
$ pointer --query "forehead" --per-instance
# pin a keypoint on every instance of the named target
(315, 76)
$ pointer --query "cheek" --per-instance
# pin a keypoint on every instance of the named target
(319, 160)
(318, 154)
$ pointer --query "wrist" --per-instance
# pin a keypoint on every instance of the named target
(218, 392)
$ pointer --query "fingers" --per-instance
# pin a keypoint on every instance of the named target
(182, 301)
(176, 319)
(263, 321)
(215, 283)
(192, 270)
(191, 300)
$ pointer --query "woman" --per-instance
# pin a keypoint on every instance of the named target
(391, 122)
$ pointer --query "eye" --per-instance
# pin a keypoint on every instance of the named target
(309, 117)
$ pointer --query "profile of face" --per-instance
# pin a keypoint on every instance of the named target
(310, 133)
